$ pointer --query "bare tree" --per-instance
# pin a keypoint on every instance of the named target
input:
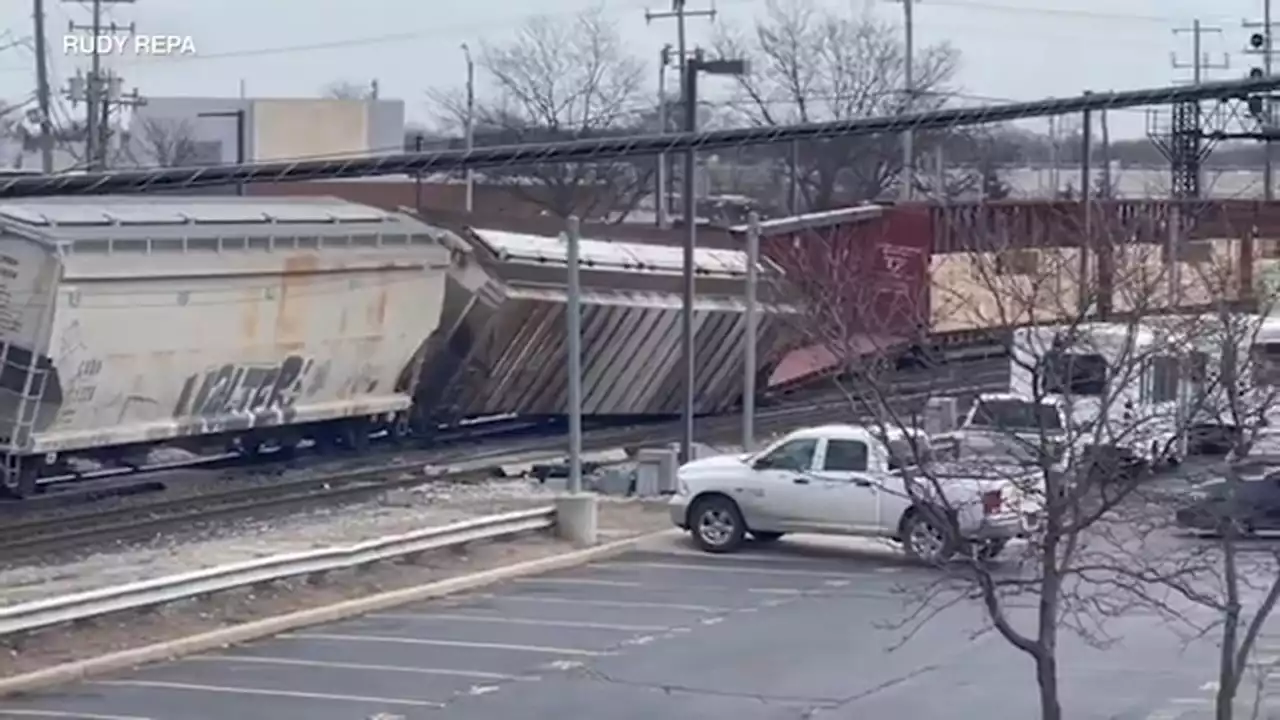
(810, 64)
(163, 143)
(1235, 379)
(560, 80)
(1089, 410)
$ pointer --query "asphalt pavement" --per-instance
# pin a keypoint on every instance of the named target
(804, 629)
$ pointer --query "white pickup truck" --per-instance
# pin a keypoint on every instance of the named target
(844, 480)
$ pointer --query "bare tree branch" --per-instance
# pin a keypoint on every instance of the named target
(561, 80)
(163, 143)
(808, 64)
(344, 90)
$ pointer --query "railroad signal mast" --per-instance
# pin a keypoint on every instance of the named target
(1261, 43)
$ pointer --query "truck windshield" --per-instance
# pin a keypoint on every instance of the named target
(1073, 374)
(1013, 414)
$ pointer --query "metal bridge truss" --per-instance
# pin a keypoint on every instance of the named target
(1194, 129)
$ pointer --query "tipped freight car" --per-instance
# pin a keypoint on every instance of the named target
(920, 282)
(203, 322)
(500, 346)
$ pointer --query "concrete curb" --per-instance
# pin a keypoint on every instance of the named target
(172, 649)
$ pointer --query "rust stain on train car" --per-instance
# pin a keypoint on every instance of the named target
(292, 307)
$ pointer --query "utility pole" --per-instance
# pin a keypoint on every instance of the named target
(681, 12)
(98, 86)
(1086, 198)
(660, 200)
(1200, 62)
(1105, 189)
(1054, 182)
(1262, 43)
(909, 81)
(43, 92)
(469, 202)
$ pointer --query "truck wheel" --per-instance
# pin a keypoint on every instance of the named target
(717, 524)
(762, 536)
(927, 538)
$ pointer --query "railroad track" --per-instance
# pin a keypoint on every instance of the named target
(144, 520)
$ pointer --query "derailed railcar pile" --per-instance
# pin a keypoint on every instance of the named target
(501, 346)
(206, 323)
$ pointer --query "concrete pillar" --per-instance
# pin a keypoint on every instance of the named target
(577, 518)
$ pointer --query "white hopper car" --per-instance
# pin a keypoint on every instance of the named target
(204, 322)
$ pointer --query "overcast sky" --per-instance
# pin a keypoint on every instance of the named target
(1019, 49)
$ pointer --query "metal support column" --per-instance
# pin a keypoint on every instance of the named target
(749, 336)
(573, 326)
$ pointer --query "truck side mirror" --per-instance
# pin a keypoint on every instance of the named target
(762, 463)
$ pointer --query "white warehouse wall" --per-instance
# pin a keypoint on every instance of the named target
(276, 127)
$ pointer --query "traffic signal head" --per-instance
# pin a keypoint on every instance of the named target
(1257, 41)
(1255, 74)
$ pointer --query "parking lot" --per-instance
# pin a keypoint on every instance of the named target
(796, 631)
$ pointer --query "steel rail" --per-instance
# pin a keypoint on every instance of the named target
(606, 148)
(93, 527)
(41, 614)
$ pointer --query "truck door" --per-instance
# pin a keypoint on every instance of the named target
(843, 495)
(777, 495)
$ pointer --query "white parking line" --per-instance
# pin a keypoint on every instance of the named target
(521, 621)
(574, 581)
(267, 693)
(617, 604)
(17, 712)
(445, 643)
(293, 662)
(709, 557)
(727, 568)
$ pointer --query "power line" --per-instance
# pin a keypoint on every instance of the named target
(455, 29)
(610, 148)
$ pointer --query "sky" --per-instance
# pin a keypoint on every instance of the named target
(1015, 49)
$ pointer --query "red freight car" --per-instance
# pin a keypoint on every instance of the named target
(876, 280)
(862, 275)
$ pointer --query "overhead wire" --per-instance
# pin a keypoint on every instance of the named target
(595, 150)
(455, 29)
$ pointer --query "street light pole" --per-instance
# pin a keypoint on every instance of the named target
(749, 336)
(693, 65)
(688, 290)
(573, 325)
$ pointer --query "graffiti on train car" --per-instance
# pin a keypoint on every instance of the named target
(244, 394)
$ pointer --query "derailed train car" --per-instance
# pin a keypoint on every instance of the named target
(928, 281)
(204, 322)
(501, 344)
